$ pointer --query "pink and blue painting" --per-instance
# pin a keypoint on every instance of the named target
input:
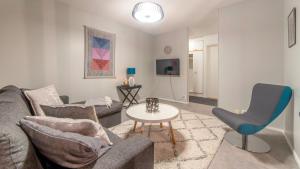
(99, 59)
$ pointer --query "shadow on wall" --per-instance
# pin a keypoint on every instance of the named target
(33, 17)
(48, 43)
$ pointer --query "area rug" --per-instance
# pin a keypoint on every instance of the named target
(198, 138)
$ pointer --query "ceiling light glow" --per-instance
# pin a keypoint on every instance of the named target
(147, 12)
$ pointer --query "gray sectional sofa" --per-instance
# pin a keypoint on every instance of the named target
(16, 150)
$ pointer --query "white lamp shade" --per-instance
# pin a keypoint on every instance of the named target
(147, 12)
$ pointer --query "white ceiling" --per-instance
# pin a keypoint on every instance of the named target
(178, 13)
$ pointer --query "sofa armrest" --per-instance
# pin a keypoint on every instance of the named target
(64, 99)
(135, 153)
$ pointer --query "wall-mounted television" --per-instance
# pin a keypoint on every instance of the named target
(168, 67)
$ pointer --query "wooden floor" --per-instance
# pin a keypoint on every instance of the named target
(229, 157)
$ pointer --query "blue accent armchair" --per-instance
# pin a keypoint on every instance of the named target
(267, 103)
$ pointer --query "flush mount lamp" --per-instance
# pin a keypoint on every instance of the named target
(147, 12)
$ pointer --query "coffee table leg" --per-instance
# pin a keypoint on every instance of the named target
(149, 130)
(172, 133)
(142, 128)
(134, 127)
(161, 125)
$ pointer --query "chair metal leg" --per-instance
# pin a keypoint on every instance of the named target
(249, 143)
(244, 142)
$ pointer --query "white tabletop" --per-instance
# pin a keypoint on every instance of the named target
(166, 113)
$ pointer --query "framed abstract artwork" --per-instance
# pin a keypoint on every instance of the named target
(292, 28)
(99, 54)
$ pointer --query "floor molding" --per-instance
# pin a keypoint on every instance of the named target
(292, 149)
(297, 159)
(203, 100)
(288, 142)
(275, 129)
(172, 100)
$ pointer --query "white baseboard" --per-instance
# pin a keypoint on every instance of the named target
(292, 149)
(172, 100)
(275, 129)
(288, 142)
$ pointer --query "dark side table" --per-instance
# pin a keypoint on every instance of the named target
(128, 92)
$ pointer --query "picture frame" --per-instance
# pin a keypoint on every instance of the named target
(292, 28)
(99, 59)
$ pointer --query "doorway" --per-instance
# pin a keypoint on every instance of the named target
(203, 70)
(196, 73)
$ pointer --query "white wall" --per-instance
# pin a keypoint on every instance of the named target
(250, 51)
(291, 77)
(212, 71)
(208, 26)
(42, 42)
(178, 40)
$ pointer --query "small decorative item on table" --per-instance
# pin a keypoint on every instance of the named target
(130, 74)
(152, 105)
(125, 82)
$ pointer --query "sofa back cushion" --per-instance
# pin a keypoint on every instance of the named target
(73, 111)
(16, 151)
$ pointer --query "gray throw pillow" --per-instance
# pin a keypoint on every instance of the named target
(81, 126)
(67, 149)
(72, 111)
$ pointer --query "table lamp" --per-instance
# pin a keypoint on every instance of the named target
(131, 73)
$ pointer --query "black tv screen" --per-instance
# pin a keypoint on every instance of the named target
(167, 67)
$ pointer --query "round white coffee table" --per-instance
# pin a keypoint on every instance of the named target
(166, 113)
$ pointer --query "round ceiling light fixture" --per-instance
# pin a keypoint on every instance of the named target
(147, 12)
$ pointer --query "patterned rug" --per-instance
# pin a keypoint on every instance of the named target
(198, 138)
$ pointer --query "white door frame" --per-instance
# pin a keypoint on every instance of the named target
(205, 69)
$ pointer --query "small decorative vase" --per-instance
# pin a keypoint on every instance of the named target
(131, 81)
(152, 105)
(125, 82)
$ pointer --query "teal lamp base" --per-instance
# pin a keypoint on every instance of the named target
(130, 74)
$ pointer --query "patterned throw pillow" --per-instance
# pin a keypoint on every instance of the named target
(43, 96)
(71, 150)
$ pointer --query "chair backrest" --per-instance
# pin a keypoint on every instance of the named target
(268, 102)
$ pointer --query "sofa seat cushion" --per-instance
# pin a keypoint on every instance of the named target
(112, 137)
(103, 111)
(133, 153)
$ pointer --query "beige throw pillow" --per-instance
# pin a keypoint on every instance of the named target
(81, 126)
(44, 96)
